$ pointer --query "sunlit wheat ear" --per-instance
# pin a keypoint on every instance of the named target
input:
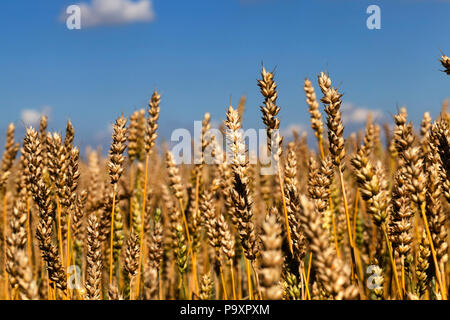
(271, 257)
(298, 238)
(435, 189)
(173, 216)
(150, 285)
(227, 241)
(320, 177)
(440, 137)
(316, 116)
(155, 243)
(55, 160)
(116, 168)
(403, 137)
(416, 175)
(118, 233)
(93, 260)
(174, 177)
(206, 287)
(69, 136)
(332, 272)
(132, 254)
(290, 170)
(16, 240)
(332, 101)
(79, 210)
(72, 179)
(378, 283)
(270, 110)
(291, 287)
(425, 127)
(403, 140)
(205, 142)
(209, 219)
(240, 193)
(401, 213)
(69, 167)
(26, 285)
(113, 293)
(423, 265)
(43, 123)
(368, 144)
(152, 121)
(374, 189)
(425, 124)
(41, 196)
(94, 187)
(9, 155)
(292, 204)
(445, 61)
(241, 107)
(181, 251)
(44, 234)
(32, 153)
(118, 146)
(409, 184)
(69, 173)
(133, 136)
(155, 257)
(370, 178)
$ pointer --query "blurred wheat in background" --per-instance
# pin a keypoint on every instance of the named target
(354, 218)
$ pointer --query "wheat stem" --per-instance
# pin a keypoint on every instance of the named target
(333, 222)
(433, 252)
(355, 213)
(232, 279)
(306, 282)
(285, 211)
(394, 267)
(194, 269)
(111, 236)
(224, 288)
(249, 279)
(322, 153)
(141, 235)
(58, 212)
(258, 286)
(28, 229)
(309, 267)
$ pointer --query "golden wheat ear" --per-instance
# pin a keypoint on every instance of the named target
(445, 61)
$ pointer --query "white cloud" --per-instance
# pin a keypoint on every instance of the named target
(352, 114)
(252, 2)
(111, 12)
(288, 132)
(105, 133)
(32, 117)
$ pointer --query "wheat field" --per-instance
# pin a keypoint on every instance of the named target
(361, 217)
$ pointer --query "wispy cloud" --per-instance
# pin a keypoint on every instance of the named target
(352, 114)
(31, 117)
(252, 2)
(288, 132)
(113, 12)
(104, 133)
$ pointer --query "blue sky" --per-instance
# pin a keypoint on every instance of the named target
(198, 54)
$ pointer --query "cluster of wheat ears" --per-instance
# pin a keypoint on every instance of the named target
(358, 219)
